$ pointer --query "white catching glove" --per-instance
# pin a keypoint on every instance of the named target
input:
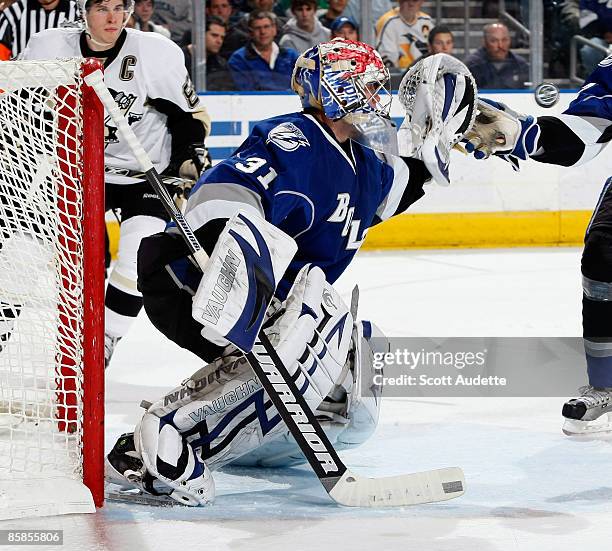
(439, 95)
(312, 335)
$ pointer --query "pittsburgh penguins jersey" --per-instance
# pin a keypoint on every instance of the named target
(292, 171)
(585, 127)
(145, 72)
(400, 43)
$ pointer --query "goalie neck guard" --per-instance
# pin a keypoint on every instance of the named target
(439, 97)
(347, 80)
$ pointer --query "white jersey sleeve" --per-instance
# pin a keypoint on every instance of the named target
(167, 77)
(53, 44)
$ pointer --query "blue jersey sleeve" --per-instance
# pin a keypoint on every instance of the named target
(585, 127)
(595, 97)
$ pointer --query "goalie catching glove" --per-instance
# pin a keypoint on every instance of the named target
(439, 97)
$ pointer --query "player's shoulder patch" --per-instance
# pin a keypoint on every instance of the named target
(606, 62)
(287, 136)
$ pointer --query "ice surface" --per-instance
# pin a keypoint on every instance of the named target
(528, 486)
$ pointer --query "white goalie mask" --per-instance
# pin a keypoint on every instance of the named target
(439, 97)
(84, 5)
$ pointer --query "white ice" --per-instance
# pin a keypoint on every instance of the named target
(528, 486)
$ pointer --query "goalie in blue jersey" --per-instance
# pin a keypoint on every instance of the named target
(578, 135)
(281, 219)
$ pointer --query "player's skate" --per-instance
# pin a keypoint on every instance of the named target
(109, 347)
(590, 413)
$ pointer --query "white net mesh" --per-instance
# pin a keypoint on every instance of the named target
(41, 270)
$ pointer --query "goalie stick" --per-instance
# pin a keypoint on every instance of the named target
(342, 485)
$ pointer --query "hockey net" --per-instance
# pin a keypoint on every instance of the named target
(51, 289)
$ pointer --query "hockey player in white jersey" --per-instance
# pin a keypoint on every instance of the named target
(571, 139)
(147, 77)
(281, 219)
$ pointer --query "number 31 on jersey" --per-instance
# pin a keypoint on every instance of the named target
(253, 164)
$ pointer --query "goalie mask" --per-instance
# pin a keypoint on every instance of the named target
(348, 81)
(439, 97)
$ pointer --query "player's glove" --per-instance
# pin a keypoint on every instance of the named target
(199, 162)
(503, 132)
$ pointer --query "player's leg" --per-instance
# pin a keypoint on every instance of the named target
(24, 278)
(589, 412)
(222, 410)
(349, 414)
(142, 214)
(168, 281)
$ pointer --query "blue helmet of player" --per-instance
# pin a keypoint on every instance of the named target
(347, 80)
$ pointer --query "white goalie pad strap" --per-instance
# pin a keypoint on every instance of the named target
(439, 96)
(240, 279)
(172, 460)
(313, 335)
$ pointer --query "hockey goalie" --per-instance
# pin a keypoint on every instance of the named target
(281, 220)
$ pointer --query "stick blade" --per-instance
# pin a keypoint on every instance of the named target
(352, 490)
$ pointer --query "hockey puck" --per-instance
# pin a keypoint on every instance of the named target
(546, 94)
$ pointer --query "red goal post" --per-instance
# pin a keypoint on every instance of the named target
(51, 289)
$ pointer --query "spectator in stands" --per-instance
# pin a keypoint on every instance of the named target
(252, 5)
(235, 37)
(262, 64)
(23, 18)
(595, 24)
(303, 30)
(440, 40)
(218, 77)
(401, 34)
(143, 12)
(494, 65)
(345, 27)
(175, 15)
(335, 9)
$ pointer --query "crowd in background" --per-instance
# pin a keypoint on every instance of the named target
(252, 45)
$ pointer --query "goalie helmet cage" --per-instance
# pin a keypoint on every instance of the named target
(51, 289)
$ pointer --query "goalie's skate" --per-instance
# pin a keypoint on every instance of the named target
(590, 413)
(126, 475)
(123, 466)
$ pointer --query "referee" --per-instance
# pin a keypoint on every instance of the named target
(23, 18)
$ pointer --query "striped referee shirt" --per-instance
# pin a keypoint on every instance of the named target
(24, 18)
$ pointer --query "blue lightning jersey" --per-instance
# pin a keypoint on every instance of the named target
(295, 174)
(585, 127)
(595, 96)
